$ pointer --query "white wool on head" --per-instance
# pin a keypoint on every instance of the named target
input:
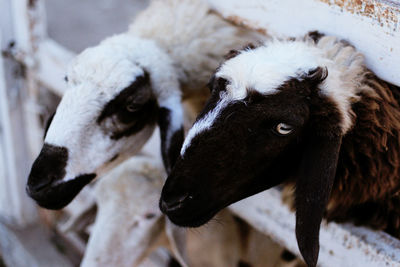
(205, 122)
(118, 60)
(266, 68)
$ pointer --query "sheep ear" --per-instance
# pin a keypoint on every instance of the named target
(313, 188)
(170, 121)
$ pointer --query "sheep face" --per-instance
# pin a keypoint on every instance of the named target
(83, 139)
(108, 113)
(266, 122)
(252, 145)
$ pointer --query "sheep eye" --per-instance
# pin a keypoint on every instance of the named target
(283, 129)
(131, 107)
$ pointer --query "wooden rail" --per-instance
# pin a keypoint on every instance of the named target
(340, 244)
(23, 241)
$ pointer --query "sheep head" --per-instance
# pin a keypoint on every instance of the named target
(118, 92)
(273, 116)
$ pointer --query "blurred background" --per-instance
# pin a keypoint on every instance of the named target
(80, 24)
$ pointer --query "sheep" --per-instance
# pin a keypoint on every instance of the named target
(120, 221)
(129, 225)
(119, 90)
(303, 111)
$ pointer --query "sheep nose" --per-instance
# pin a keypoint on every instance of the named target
(48, 167)
(173, 203)
(39, 184)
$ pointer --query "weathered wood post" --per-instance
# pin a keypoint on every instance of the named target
(23, 242)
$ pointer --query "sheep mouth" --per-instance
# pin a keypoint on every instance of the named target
(192, 221)
(189, 218)
(57, 196)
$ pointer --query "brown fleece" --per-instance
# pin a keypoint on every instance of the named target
(367, 184)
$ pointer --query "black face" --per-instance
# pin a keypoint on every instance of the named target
(47, 170)
(253, 145)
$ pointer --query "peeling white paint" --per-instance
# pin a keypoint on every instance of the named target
(378, 41)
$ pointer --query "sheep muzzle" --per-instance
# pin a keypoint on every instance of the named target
(44, 183)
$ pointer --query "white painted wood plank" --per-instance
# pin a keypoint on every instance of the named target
(341, 244)
(8, 174)
(29, 247)
(373, 26)
(44, 57)
(29, 20)
(29, 24)
(14, 204)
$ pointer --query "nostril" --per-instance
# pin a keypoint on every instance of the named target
(48, 167)
(174, 203)
(40, 184)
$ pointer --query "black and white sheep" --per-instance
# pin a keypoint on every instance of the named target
(305, 111)
(119, 91)
(129, 226)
